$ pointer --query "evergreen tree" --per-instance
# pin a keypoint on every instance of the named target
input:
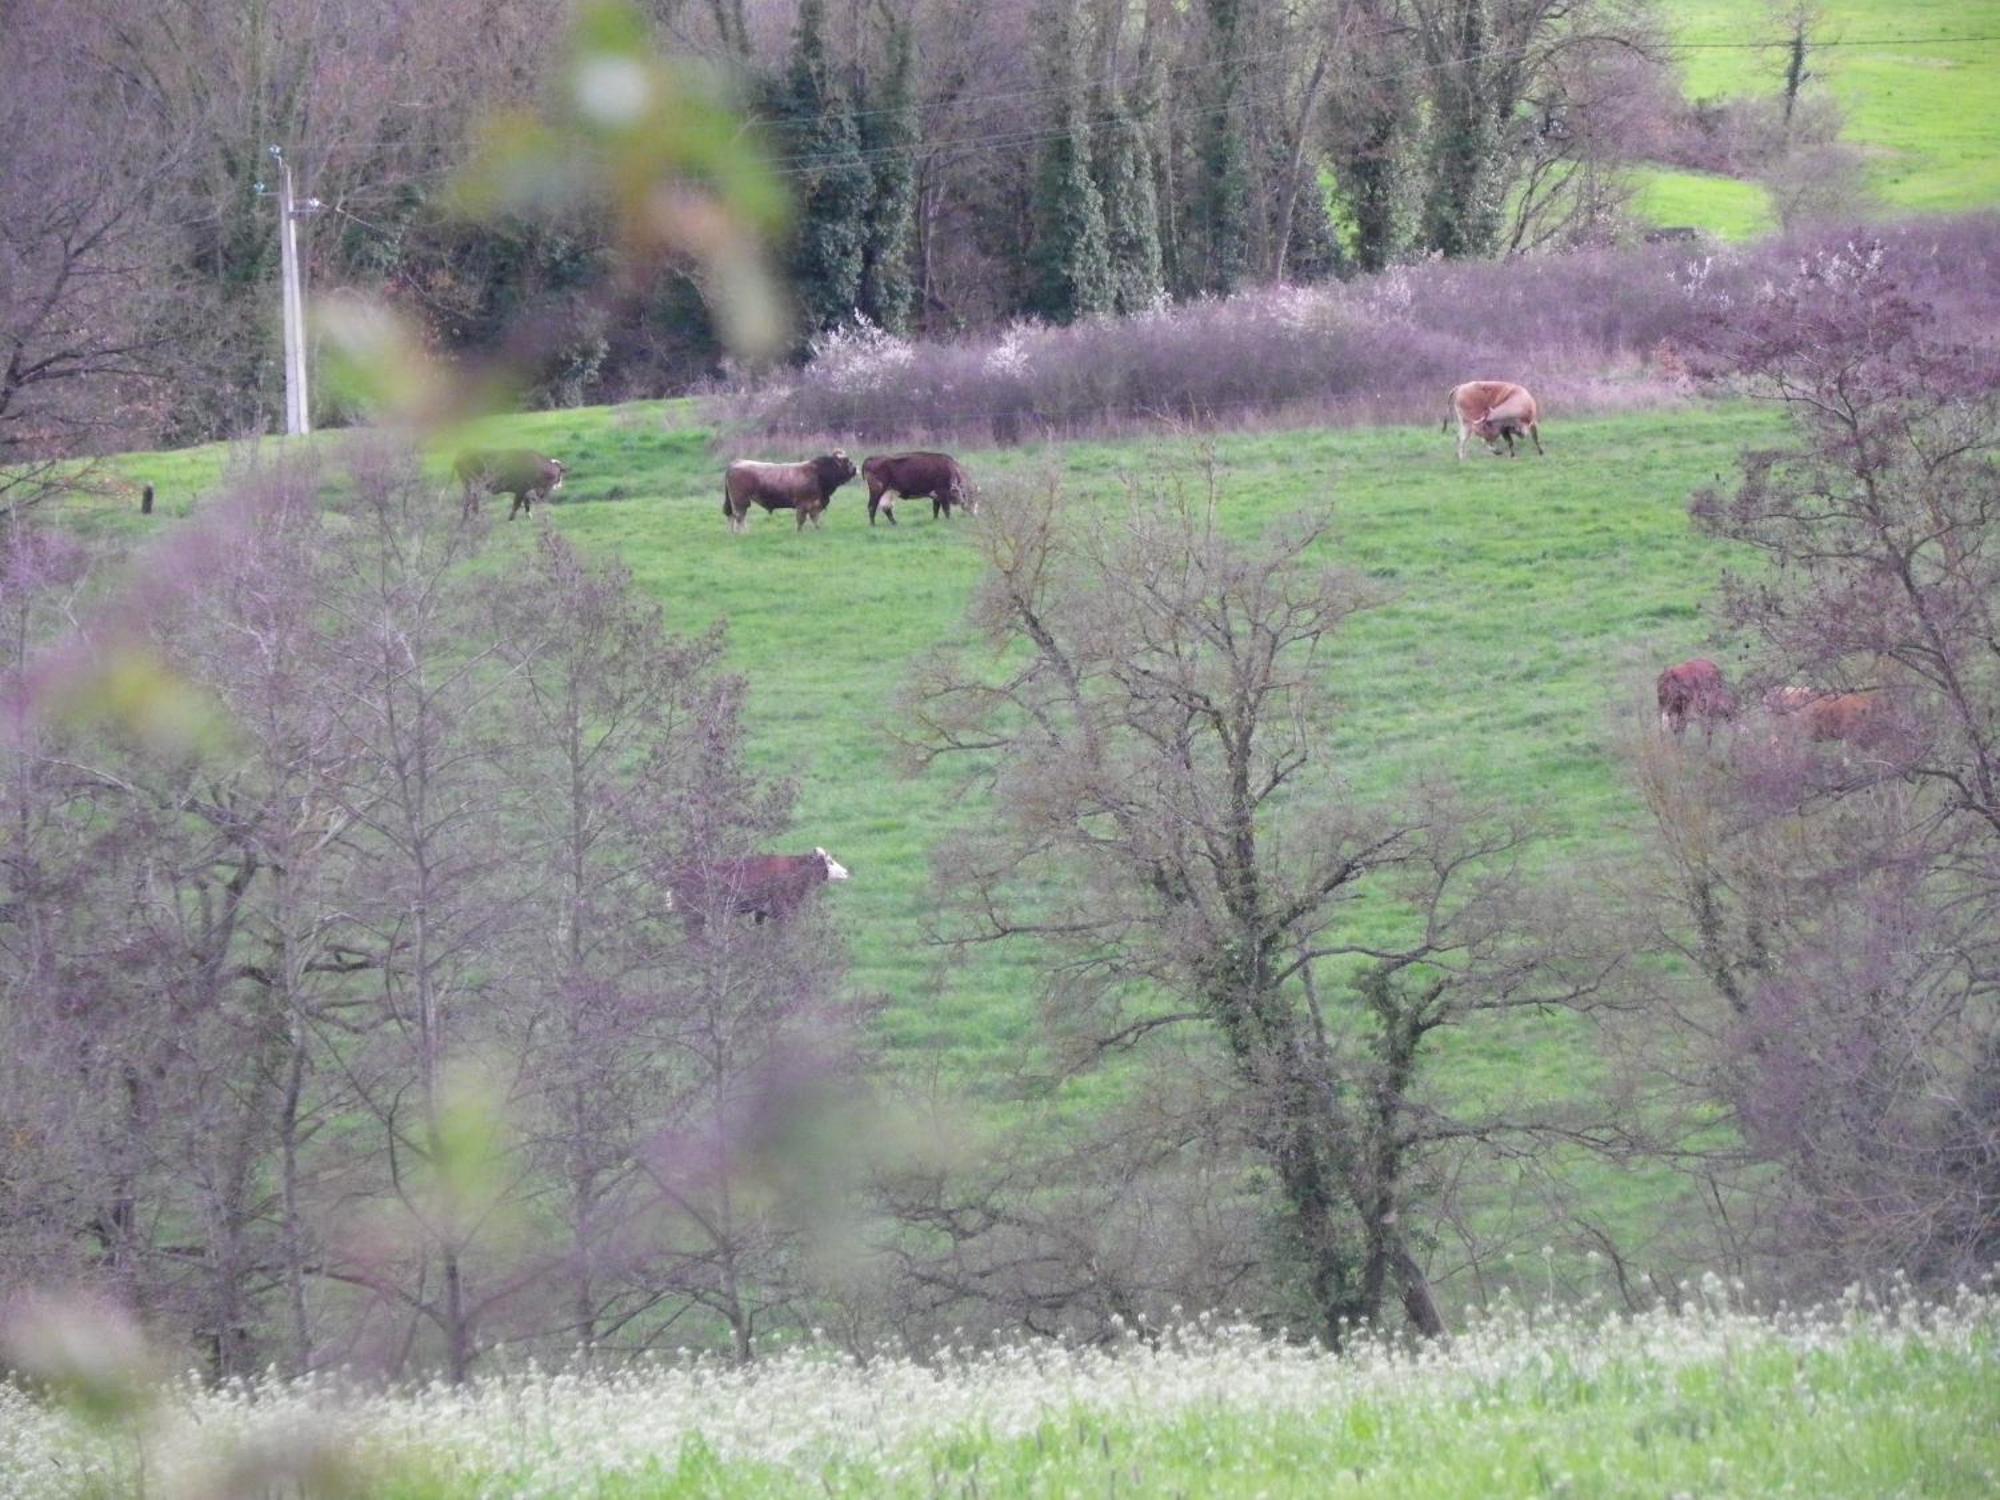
(829, 243)
(1461, 204)
(1131, 211)
(1071, 261)
(1225, 155)
(1312, 247)
(889, 135)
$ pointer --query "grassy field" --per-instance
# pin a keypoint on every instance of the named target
(1726, 207)
(1857, 1401)
(1533, 602)
(1922, 98)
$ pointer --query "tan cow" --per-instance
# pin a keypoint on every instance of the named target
(1494, 409)
(1850, 718)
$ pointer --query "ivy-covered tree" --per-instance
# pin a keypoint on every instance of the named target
(1225, 187)
(1071, 260)
(830, 236)
(1131, 210)
(1461, 214)
(890, 131)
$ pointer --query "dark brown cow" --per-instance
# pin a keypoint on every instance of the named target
(805, 488)
(1694, 689)
(1493, 409)
(916, 476)
(758, 885)
(525, 475)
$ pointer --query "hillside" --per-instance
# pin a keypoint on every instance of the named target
(1919, 85)
(1533, 603)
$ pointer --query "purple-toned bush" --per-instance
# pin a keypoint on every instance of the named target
(1596, 330)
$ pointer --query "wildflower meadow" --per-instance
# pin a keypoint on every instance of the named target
(1864, 1396)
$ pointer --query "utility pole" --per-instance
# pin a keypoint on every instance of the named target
(298, 406)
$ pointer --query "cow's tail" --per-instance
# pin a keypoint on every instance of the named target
(1450, 409)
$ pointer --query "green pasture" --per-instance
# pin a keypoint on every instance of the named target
(1727, 207)
(1921, 101)
(1531, 602)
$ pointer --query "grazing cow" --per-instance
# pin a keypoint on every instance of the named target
(1494, 409)
(526, 476)
(1694, 689)
(759, 885)
(916, 476)
(805, 488)
(1850, 718)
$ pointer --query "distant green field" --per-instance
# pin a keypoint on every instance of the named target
(1921, 99)
(1724, 206)
(1534, 600)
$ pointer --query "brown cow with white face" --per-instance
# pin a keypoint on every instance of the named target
(805, 488)
(768, 887)
(525, 475)
(1494, 410)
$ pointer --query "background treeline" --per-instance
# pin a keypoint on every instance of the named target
(954, 165)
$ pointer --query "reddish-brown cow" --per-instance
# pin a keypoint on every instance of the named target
(802, 488)
(1495, 410)
(1694, 689)
(758, 885)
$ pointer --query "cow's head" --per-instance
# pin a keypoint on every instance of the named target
(833, 470)
(561, 469)
(835, 870)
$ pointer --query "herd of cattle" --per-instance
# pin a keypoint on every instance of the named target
(1494, 411)
(775, 885)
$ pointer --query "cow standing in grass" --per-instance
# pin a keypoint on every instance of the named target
(1494, 410)
(525, 475)
(764, 886)
(1846, 718)
(1693, 690)
(916, 476)
(805, 488)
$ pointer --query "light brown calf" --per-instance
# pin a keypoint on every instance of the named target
(1494, 409)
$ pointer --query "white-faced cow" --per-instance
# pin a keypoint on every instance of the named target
(1693, 690)
(805, 488)
(1494, 410)
(916, 476)
(763, 886)
(525, 475)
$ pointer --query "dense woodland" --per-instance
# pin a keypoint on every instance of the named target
(952, 166)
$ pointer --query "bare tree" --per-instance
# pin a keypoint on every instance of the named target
(1168, 830)
(1833, 882)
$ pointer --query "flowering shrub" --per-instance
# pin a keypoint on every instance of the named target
(1594, 329)
(1860, 1397)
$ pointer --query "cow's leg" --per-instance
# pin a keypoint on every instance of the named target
(520, 504)
(889, 499)
(470, 505)
(1535, 432)
(1464, 432)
